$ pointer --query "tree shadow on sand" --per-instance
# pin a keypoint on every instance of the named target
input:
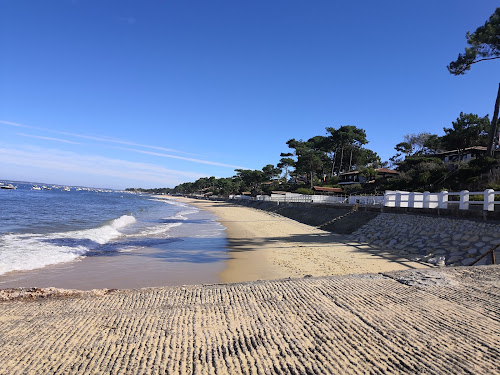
(325, 239)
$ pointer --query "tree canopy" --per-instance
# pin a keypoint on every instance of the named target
(484, 44)
(468, 130)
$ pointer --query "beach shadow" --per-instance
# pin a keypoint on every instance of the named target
(318, 240)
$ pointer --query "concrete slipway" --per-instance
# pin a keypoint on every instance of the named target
(435, 321)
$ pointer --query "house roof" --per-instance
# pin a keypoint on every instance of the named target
(348, 173)
(386, 170)
(327, 189)
(379, 170)
(474, 148)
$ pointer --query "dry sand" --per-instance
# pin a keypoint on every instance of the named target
(265, 246)
(434, 321)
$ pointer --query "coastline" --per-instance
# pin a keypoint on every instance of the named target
(264, 246)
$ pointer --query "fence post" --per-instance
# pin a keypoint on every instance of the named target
(411, 200)
(443, 199)
(464, 200)
(489, 200)
(425, 199)
(387, 198)
(397, 201)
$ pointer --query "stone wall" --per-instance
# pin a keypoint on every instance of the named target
(435, 240)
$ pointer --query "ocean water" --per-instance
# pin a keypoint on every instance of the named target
(42, 228)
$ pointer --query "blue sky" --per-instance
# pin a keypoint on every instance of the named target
(124, 93)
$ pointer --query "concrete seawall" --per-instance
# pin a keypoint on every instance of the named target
(317, 214)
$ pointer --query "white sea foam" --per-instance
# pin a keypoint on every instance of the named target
(29, 251)
(177, 220)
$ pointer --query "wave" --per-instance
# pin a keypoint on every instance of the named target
(170, 222)
(20, 252)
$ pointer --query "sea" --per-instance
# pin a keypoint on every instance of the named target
(89, 238)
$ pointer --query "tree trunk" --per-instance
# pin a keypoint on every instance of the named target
(333, 163)
(493, 129)
(341, 159)
(350, 161)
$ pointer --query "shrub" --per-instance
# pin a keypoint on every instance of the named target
(353, 188)
(304, 191)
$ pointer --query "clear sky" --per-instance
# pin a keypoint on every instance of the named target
(121, 93)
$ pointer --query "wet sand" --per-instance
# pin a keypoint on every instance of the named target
(265, 246)
(139, 269)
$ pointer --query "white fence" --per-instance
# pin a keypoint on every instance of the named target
(316, 199)
(444, 199)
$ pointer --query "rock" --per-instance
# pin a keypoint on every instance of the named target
(468, 261)
(435, 260)
(392, 242)
(454, 259)
(485, 250)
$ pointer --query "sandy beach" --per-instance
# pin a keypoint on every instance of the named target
(265, 246)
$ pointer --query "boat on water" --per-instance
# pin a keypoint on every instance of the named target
(35, 187)
(8, 187)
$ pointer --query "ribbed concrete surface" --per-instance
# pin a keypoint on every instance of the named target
(434, 322)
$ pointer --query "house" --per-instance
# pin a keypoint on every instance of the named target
(297, 179)
(354, 177)
(450, 158)
(278, 192)
(327, 190)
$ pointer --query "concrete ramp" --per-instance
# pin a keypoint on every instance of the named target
(437, 321)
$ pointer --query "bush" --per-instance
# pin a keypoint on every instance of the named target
(304, 191)
(352, 189)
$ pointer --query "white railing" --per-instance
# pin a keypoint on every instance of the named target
(404, 199)
(441, 200)
(316, 199)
